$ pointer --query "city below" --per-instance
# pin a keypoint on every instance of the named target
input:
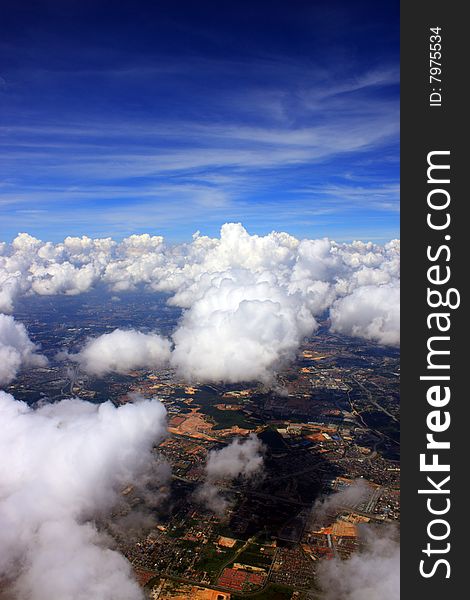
(328, 426)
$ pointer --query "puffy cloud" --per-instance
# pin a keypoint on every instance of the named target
(10, 288)
(240, 330)
(63, 278)
(370, 312)
(122, 351)
(25, 243)
(16, 349)
(241, 458)
(238, 249)
(66, 464)
(368, 575)
(141, 244)
(248, 300)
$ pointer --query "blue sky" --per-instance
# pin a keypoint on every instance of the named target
(170, 116)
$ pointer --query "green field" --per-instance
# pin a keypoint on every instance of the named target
(225, 419)
(212, 560)
(271, 592)
(254, 557)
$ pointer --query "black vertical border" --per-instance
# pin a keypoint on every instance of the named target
(425, 129)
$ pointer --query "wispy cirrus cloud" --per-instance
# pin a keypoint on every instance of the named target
(193, 118)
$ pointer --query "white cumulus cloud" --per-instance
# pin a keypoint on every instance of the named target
(122, 351)
(67, 463)
(248, 300)
(17, 351)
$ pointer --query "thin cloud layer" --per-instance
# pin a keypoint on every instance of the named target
(370, 574)
(240, 330)
(369, 312)
(346, 498)
(66, 464)
(241, 458)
